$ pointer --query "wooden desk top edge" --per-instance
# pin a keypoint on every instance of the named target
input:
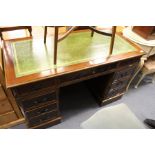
(12, 81)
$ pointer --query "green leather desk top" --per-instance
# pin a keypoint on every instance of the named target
(32, 56)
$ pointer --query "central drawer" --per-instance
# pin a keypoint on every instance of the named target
(75, 76)
(87, 73)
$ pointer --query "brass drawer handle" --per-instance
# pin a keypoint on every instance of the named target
(42, 111)
(94, 71)
(131, 65)
(44, 99)
(44, 119)
(35, 102)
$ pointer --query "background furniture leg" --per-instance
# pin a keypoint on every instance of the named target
(55, 44)
(136, 73)
(112, 40)
(45, 34)
(30, 30)
(153, 79)
(92, 32)
(141, 78)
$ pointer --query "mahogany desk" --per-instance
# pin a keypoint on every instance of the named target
(33, 81)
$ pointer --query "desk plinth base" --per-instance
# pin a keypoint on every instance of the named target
(48, 124)
(110, 100)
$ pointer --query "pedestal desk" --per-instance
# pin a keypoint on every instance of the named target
(34, 82)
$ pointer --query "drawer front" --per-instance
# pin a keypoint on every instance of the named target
(34, 87)
(5, 106)
(102, 69)
(124, 73)
(29, 104)
(76, 75)
(41, 110)
(86, 73)
(2, 94)
(7, 118)
(114, 92)
(119, 84)
(43, 118)
(129, 62)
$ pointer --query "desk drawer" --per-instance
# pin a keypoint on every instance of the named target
(130, 62)
(29, 104)
(120, 83)
(101, 69)
(41, 110)
(114, 92)
(43, 118)
(34, 87)
(86, 73)
(76, 75)
(5, 106)
(124, 73)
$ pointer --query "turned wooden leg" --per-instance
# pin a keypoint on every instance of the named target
(56, 29)
(133, 77)
(153, 79)
(92, 33)
(1, 36)
(45, 34)
(112, 40)
(141, 78)
(30, 30)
